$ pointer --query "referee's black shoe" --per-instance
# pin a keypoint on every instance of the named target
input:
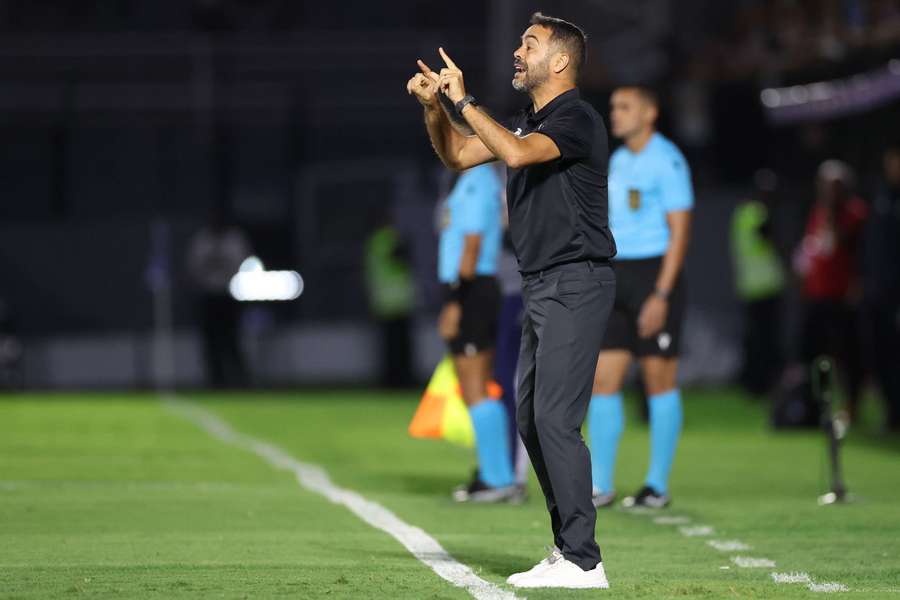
(647, 497)
(478, 491)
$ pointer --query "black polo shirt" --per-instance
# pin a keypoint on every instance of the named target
(558, 210)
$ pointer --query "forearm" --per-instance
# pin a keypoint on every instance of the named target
(467, 267)
(469, 260)
(673, 260)
(445, 140)
(500, 141)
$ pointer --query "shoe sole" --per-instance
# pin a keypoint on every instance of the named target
(599, 586)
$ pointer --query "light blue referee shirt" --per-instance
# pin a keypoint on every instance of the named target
(643, 187)
(473, 207)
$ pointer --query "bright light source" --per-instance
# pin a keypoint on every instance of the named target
(799, 94)
(251, 263)
(821, 91)
(771, 98)
(252, 283)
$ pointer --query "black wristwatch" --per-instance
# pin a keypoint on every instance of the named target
(466, 100)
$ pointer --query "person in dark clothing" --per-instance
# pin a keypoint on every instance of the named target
(556, 153)
(214, 257)
(391, 294)
(881, 286)
(760, 280)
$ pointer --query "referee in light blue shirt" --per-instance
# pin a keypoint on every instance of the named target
(470, 238)
(650, 202)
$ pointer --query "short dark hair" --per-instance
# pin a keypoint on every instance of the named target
(568, 35)
(646, 92)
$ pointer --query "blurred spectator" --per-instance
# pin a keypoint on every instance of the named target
(11, 351)
(391, 296)
(759, 281)
(881, 286)
(773, 37)
(827, 261)
(214, 256)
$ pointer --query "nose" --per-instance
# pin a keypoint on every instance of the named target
(517, 53)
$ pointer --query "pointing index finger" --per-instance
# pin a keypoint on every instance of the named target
(423, 67)
(426, 70)
(447, 60)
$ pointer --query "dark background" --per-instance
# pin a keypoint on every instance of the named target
(119, 116)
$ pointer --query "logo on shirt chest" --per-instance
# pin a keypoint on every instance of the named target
(634, 199)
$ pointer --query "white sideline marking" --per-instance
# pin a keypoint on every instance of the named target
(752, 563)
(728, 545)
(315, 479)
(698, 531)
(791, 577)
(671, 520)
(827, 587)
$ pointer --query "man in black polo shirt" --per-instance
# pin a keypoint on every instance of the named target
(556, 151)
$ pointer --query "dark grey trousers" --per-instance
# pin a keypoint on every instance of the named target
(566, 311)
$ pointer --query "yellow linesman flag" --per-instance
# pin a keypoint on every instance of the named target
(442, 414)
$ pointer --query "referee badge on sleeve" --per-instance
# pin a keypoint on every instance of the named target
(634, 199)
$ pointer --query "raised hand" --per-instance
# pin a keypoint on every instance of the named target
(424, 88)
(450, 80)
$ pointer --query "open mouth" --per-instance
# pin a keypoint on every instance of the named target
(519, 68)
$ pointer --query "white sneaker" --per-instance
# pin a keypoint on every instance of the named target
(565, 574)
(554, 556)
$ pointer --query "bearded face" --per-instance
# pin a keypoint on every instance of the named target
(531, 60)
(529, 75)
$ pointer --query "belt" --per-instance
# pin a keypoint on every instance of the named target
(590, 263)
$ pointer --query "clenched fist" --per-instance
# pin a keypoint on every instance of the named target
(424, 89)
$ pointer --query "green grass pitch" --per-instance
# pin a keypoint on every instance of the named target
(115, 496)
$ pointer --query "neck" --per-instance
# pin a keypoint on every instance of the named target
(637, 141)
(541, 96)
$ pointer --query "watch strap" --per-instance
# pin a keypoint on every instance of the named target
(466, 100)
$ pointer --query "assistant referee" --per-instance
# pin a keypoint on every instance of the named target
(556, 153)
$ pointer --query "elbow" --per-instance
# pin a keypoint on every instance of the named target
(452, 162)
(453, 165)
(517, 161)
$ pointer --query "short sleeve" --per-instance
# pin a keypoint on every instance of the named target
(572, 131)
(477, 191)
(675, 183)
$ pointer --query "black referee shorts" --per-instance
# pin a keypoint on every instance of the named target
(480, 317)
(636, 281)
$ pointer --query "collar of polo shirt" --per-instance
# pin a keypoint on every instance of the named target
(537, 117)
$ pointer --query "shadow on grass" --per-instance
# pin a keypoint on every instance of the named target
(419, 484)
(496, 562)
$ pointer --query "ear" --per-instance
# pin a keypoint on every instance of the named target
(652, 112)
(560, 62)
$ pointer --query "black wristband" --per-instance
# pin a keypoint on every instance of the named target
(466, 100)
(456, 291)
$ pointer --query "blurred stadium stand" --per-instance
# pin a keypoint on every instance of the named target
(120, 113)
